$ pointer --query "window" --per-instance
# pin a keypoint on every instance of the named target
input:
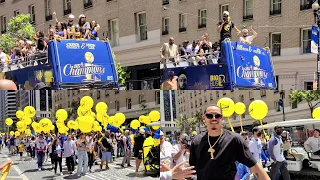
(157, 97)
(306, 40)
(191, 105)
(275, 7)
(106, 93)
(191, 95)
(117, 105)
(48, 10)
(32, 14)
(2, 1)
(196, 103)
(142, 98)
(182, 22)
(87, 4)
(128, 103)
(3, 24)
(142, 26)
(217, 94)
(276, 44)
(308, 85)
(200, 102)
(241, 98)
(263, 93)
(202, 18)
(114, 32)
(211, 98)
(165, 2)
(224, 7)
(165, 26)
(248, 10)
(306, 4)
(205, 99)
(98, 94)
(276, 106)
(251, 96)
(66, 7)
(16, 13)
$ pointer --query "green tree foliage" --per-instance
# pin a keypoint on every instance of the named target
(310, 97)
(19, 27)
(122, 74)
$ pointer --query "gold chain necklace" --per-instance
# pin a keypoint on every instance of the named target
(211, 150)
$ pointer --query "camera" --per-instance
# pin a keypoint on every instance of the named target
(225, 18)
(186, 140)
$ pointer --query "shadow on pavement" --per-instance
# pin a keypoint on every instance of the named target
(49, 177)
(73, 176)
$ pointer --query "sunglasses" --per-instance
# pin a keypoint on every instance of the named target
(216, 116)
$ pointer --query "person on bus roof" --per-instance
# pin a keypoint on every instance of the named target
(83, 26)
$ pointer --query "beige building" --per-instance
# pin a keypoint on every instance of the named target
(282, 25)
(131, 103)
(190, 102)
(132, 27)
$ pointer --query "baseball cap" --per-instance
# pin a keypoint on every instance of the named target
(71, 16)
(244, 133)
(82, 16)
(142, 131)
(226, 13)
(161, 133)
(245, 31)
(126, 131)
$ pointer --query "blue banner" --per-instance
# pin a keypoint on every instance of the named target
(249, 66)
(314, 39)
(82, 61)
(199, 77)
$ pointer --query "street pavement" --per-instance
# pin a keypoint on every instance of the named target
(28, 170)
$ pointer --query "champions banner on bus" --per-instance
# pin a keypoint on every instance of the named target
(249, 66)
(82, 61)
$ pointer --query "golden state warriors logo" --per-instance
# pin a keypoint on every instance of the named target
(256, 61)
(227, 27)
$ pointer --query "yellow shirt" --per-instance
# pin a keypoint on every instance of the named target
(21, 147)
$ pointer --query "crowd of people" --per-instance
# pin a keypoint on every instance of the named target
(221, 154)
(203, 52)
(27, 52)
(78, 149)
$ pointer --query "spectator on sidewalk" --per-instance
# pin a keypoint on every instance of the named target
(127, 149)
(70, 150)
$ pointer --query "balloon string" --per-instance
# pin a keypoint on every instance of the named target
(230, 124)
(264, 132)
(241, 123)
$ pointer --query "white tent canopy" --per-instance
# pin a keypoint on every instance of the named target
(154, 124)
(291, 123)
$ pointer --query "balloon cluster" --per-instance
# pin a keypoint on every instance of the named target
(25, 119)
(153, 116)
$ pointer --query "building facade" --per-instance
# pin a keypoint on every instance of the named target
(10, 105)
(131, 103)
(282, 25)
(131, 26)
(168, 111)
(42, 102)
(188, 103)
(2, 111)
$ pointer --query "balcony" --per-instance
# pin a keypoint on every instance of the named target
(202, 26)
(87, 5)
(2, 1)
(67, 11)
(275, 12)
(165, 32)
(48, 18)
(248, 17)
(165, 2)
(182, 29)
(305, 6)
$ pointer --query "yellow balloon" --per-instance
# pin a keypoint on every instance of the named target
(156, 142)
(240, 108)
(45, 123)
(258, 109)
(101, 108)
(9, 121)
(227, 106)
(155, 127)
(85, 124)
(99, 128)
(28, 132)
(61, 114)
(111, 120)
(93, 115)
(86, 102)
(27, 120)
(141, 118)
(146, 120)
(21, 126)
(81, 111)
(71, 124)
(29, 111)
(33, 124)
(60, 123)
(120, 117)
(316, 113)
(52, 127)
(76, 126)
(154, 116)
(11, 133)
(17, 133)
(135, 124)
(147, 144)
(19, 114)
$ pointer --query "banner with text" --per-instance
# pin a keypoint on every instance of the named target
(314, 39)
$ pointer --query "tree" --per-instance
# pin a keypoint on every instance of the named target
(73, 109)
(311, 97)
(185, 124)
(122, 74)
(198, 117)
(19, 28)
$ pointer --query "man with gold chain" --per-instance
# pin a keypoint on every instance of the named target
(214, 153)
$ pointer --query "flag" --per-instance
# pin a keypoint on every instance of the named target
(314, 40)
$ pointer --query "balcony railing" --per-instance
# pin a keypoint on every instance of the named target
(248, 17)
(87, 5)
(48, 18)
(202, 26)
(182, 29)
(67, 11)
(305, 6)
(165, 2)
(274, 12)
(165, 32)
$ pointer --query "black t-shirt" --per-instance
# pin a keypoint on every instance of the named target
(226, 29)
(230, 148)
(40, 45)
(106, 144)
(138, 142)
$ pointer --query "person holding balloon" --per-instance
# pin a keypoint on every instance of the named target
(82, 145)
(106, 148)
(127, 149)
(70, 149)
(57, 153)
(218, 148)
(41, 149)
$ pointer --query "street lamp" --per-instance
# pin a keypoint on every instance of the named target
(316, 13)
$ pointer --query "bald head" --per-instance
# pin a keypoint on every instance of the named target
(7, 85)
(213, 107)
(171, 40)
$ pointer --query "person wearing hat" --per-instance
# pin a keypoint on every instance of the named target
(127, 149)
(275, 151)
(215, 152)
(183, 48)
(166, 152)
(68, 25)
(138, 148)
(83, 27)
(225, 27)
(106, 146)
(180, 151)
(248, 39)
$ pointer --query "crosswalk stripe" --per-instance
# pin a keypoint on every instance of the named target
(91, 176)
